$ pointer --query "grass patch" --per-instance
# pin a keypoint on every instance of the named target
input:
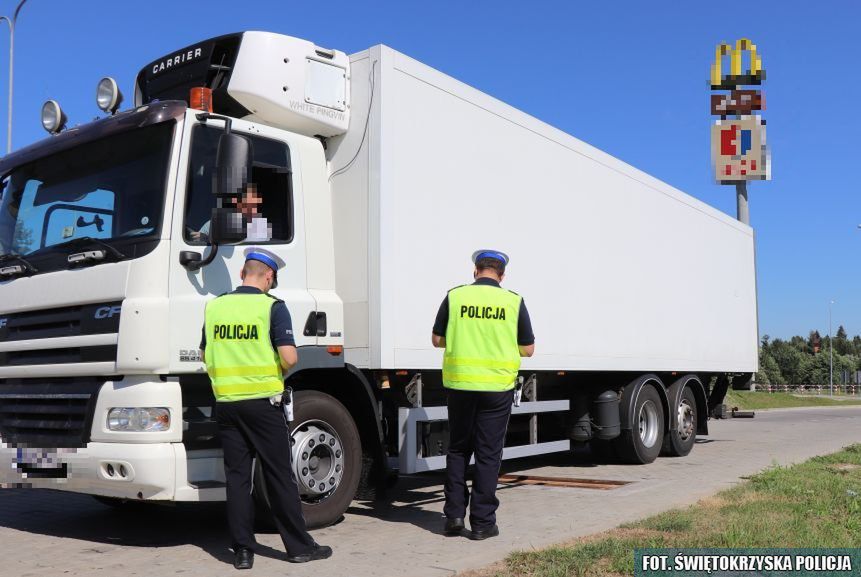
(813, 504)
(761, 400)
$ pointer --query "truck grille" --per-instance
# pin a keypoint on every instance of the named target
(94, 354)
(73, 321)
(101, 318)
(47, 413)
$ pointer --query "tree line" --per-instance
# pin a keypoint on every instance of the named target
(805, 361)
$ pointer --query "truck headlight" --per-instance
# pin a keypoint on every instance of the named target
(139, 419)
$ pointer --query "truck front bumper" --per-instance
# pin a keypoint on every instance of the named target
(124, 470)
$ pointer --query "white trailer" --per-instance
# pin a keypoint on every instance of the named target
(380, 176)
(621, 271)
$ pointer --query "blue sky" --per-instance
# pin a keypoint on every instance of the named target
(629, 77)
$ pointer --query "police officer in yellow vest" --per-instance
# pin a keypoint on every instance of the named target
(484, 329)
(247, 345)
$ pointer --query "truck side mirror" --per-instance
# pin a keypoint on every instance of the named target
(233, 161)
(232, 164)
(190, 260)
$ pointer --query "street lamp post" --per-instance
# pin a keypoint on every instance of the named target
(830, 353)
(11, 22)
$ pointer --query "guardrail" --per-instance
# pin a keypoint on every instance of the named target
(843, 390)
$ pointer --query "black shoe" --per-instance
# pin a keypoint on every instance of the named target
(243, 558)
(482, 534)
(454, 526)
(315, 554)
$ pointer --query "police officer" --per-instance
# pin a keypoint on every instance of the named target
(247, 345)
(484, 329)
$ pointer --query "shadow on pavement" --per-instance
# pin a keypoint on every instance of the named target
(406, 502)
(76, 516)
(415, 500)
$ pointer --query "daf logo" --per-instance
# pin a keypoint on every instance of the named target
(189, 355)
(106, 312)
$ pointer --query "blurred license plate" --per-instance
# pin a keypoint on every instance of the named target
(37, 459)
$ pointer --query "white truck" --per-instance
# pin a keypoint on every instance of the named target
(379, 177)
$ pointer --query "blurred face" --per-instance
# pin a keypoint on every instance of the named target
(249, 203)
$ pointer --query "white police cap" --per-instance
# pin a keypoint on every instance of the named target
(268, 258)
(489, 253)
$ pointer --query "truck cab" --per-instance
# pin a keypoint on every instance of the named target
(110, 252)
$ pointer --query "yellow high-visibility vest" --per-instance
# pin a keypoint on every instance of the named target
(240, 359)
(481, 351)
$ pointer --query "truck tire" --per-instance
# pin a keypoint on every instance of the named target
(327, 452)
(679, 442)
(641, 441)
(368, 488)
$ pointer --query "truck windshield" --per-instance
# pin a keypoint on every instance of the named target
(112, 189)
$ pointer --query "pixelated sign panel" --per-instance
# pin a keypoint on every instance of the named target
(738, 150)
(737, 102)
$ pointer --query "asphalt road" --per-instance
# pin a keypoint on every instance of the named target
(46, 533)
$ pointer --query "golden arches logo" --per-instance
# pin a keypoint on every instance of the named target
(736, 77)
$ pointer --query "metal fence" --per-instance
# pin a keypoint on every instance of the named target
(842, 390)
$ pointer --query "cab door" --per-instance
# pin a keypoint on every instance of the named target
(276, 174)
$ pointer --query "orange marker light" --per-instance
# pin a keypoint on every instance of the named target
(200, 98)
(335, 350)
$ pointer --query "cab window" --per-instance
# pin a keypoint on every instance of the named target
(272, 196)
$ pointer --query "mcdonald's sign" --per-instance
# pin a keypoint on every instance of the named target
(737, 76)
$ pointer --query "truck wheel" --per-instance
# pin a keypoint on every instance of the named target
(327, 459)
(679, 443)
(641, 442)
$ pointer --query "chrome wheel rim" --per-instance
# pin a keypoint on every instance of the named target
(318, 460)
(686, 420)
(648, 419)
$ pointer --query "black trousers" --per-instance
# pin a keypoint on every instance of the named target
(257, 429)
(477, 424)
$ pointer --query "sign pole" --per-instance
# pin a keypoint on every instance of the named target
(739, 151)
(742, 206)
